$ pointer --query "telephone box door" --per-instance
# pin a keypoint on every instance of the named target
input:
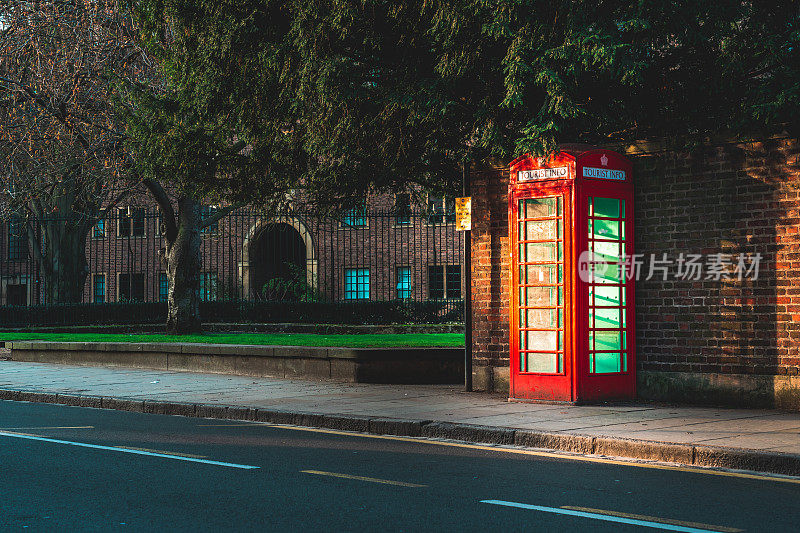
(606, 362)
(541, 366)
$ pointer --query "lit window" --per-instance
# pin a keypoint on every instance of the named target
(99, 230)
(356, 284)
(403, 283)
(355, 218)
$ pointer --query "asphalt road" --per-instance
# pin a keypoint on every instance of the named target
(68, 468)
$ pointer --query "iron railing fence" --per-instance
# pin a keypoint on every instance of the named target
(366, 266)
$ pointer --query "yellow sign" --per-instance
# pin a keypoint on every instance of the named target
(464, 214)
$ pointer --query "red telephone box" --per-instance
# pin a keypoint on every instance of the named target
(572, 308)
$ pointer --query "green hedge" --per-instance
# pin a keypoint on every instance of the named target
(360, 312)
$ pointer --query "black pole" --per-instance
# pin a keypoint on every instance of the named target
(465, 184)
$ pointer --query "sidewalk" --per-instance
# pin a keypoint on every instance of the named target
(735, 438)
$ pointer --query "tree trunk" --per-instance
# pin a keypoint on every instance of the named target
(183, 271)
(61, 256)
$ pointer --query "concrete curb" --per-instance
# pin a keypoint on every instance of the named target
(687, 454)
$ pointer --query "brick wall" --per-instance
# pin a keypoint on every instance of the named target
(708, 340)
(490, 279)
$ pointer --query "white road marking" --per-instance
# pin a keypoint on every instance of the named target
(595, 516)
(125, 450)
(50, 427)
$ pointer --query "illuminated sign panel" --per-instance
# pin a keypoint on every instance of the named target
(543, 174)
(603, 173)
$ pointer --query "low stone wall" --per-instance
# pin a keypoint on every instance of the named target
(355, 365)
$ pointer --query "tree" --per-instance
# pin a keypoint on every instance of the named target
(341, 96)
(417, 85)
(66, 69)
(192, 140)
(63, 166)
(375, 93)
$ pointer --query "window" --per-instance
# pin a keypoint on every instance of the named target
(163, 287)
(17, 239)
(403, 285)
(99, 288)
(205, 212)
(17, 294)
(402, 209)
(356, 284)
(130, 287)
(99, 229)
(208, 286)
(444, 281)
(441, 209)
(355, 218)
(130, 222)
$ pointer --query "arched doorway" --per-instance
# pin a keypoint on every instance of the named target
(278, 251)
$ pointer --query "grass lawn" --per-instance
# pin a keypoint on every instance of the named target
(285, 339)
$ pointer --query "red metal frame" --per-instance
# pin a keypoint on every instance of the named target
(575, 382)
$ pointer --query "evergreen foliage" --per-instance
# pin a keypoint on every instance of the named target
(341, 96)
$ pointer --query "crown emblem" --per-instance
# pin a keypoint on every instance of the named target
(603, 160)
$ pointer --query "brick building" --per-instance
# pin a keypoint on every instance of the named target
(389, 250)
(717, 340)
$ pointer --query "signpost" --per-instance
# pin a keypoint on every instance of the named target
(464, 214)
(464, 223)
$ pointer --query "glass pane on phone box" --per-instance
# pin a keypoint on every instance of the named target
(542, 230)
(607, 273)
(538, 207)
(607, 340)
(610, 317)
(606, 295)
(606, 207)
(538, 296)
(537, 251)
(605, 363)
(606, 251)
(605, 229)
(538, 318)
(540, 340)
(540, 274)
(542, 362)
